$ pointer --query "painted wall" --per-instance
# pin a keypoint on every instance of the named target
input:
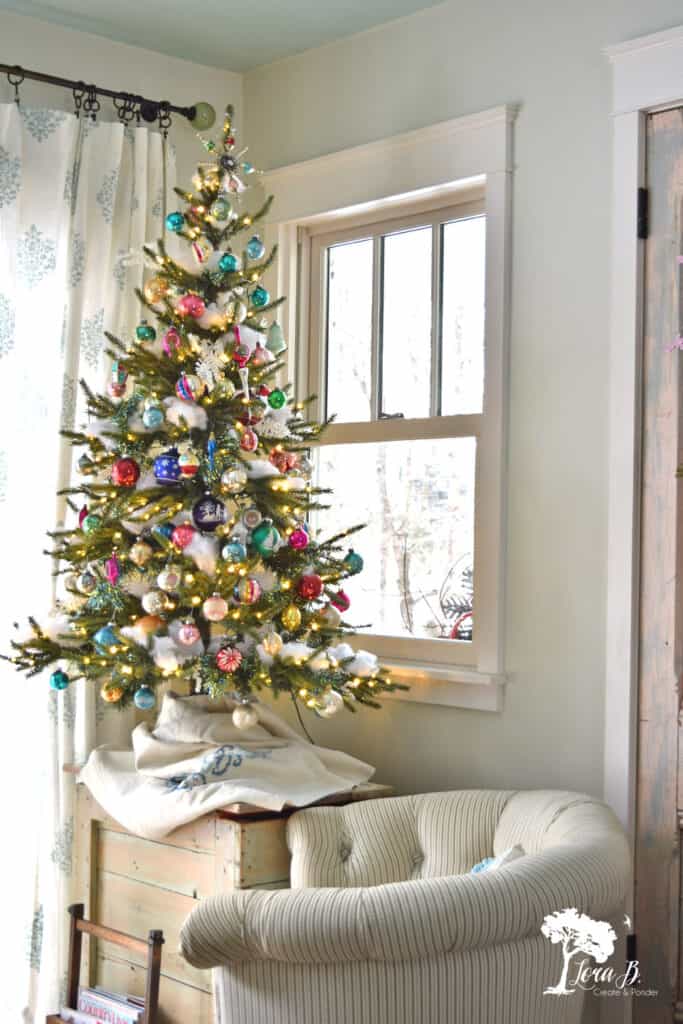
(457, 59)
(59, 51)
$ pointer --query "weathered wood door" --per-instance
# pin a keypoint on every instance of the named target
(659, 816)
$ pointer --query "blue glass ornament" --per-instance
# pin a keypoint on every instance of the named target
(353, 562)
(145, 331)
(234, 551)
(175, 221)
(227, 263)
(59, 680)
(144, 698)
(211, 451)
(153, 417)
(167, 467)
(105, 638)
(163, 530)
(255, 248)
(209, 513)
(259, 296)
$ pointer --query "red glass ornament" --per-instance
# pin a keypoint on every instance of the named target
(125, 472)
(117, 390)
(248, 440)
(264, 391)
(310, 586)
(241, 354)
(341, 601)
(182, 535)
(228, 659)
(283, 461)
(170, 341)
(82, 514)
(191, 305)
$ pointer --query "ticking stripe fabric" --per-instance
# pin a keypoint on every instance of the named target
(385, 925)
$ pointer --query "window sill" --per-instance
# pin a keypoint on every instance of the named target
(448, 685)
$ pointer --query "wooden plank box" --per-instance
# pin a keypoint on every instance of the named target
(134, 884)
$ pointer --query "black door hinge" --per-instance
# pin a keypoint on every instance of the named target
(643, 228)
(631, 947)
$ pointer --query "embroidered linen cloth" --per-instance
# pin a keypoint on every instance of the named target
(195, 760)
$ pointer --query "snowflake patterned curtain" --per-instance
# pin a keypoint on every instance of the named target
(76, 200)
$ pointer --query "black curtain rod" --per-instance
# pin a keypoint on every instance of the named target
(128, 105)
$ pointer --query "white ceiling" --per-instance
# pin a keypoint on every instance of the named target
(228, 34)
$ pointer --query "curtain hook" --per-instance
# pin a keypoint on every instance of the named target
(164, 117)
(78, 92)
(92, 104)
(15, 78)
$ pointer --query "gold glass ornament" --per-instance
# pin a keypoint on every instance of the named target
(112, 694)
(155, 289)
(140, 553)
(291, 617)
(272, 643)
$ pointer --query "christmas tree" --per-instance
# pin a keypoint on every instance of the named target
(193, 555)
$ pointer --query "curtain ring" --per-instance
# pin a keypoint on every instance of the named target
(92, 104)
(15, 78)
(164, 118)
(78, 92)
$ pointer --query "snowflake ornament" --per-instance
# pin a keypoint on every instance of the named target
(209, 368)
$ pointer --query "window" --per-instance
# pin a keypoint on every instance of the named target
(396, 354)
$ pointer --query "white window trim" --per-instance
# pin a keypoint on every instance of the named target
(431, 164)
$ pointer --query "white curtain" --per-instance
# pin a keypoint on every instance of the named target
(76, 198)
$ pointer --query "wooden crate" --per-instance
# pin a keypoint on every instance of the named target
(136, 884)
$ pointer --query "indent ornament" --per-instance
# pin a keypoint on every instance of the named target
(155, 289)
(220, 209)
(87, 582)
(248, 590)
(169, 578)
(153, 415)
(298, 539)
(277, 398)
(112, 694)
(265, 538)
(331, 702)
(249, 440)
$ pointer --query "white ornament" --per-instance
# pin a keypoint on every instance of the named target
(154, 602)
(331, 703)
(244, 717)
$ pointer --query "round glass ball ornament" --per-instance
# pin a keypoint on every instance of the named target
(291, 617)
(236, 311)
(155, 289)
(209, 513)
(330, 617)
(234, 479)
(188, 634)
(353, 562)
(330, 703)
(144, 698)
(125, 472)
(169, 578)
(244, 717)
(247, 590)
(298, 539)
(148, 624)
(175, 221)
(259, 296)
(265, 538)
(249, 440)
(189, 464)
(91, 522)
(153, 602)
(87, 582)
(140, 553)
(215, 608)
(310, 586)
(204, 116)
(189, 387)
(220, 208)
(255, 248)
(228, 659)
(170, 341)
(111, 694)
(191, 305)
(251, 517)
(277, 398)
(228, 263)
(341, 601)
(166, 467)
(59, 680)
(153, 416)
(104, 638)
(145, 332)
(182, 535)
(234, 551)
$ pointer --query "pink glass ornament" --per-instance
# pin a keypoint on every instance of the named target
(260, 356)
(298, 538)
(112, 568)
(341, 601)
(249, 440)
(188, 634)
(191, 305)
(170, 341)
(215, 608)
(82, 514)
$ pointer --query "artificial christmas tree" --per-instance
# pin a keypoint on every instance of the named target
(192, 555)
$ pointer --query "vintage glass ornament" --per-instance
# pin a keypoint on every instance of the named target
(236, 311)
(153, 602)
(353, 562)
(145, 331)
(209, 513)
(228, 263)
(228, 659)
(175, 221)
(119, 373)
(59, 680)
(104, 638)
(220, 208)
(259, 296)
(148, 624)
(91, 522)
(310, 586)
(283, 461)
(170, 341)
(255, 248)
(116, 390)
(201, 251)
(272, 644)
(125, 472)
(155, 289)
(182, 535)
(144, 698)
(169, 578)
(191, 305)
(341, 601)
(276, 340)
(298, 539)
(247, 590)
(330, 703)
(251, 517)
(234, 551)
(189, 387)
(261, 356)
(291, 617)
(330, 617)
(140, 553)
(87, 582)
(112, 569)
(249, 440)
(265, 538)
(215, 608)
(112, 694)
(189, 463)
(204, 116)
(166, 467)
(244, 717)
(163, 530)
(277, 398)
(227, 162)
(152, 416)
(188, 634)
(234, 479)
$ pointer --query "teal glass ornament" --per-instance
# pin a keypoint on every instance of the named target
(259, 296)
(204, 116)
(59, 680)
(353, 562)
(276, 340)
(247, 167)
(153, 417)
(227, 263)
(277, 398)
(234, 551)
(265, 538)
(144, 698)
(92, 522)
(175, 221)
(105, 638)
(164, 530)
(145, 331)
(220, 208)
(255, 248)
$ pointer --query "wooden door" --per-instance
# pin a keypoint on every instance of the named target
(659, 809)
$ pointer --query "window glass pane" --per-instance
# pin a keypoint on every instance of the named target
(417, 498)
(462, 361)
(407, 322)
(349, 330)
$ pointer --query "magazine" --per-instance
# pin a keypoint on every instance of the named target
(108, 1007)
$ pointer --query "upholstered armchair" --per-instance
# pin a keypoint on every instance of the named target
(384, 924)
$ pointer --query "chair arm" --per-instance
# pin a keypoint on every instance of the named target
(406, 920)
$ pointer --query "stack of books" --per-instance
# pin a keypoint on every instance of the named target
(97, 1004)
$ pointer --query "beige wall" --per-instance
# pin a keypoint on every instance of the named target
(457, 59)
